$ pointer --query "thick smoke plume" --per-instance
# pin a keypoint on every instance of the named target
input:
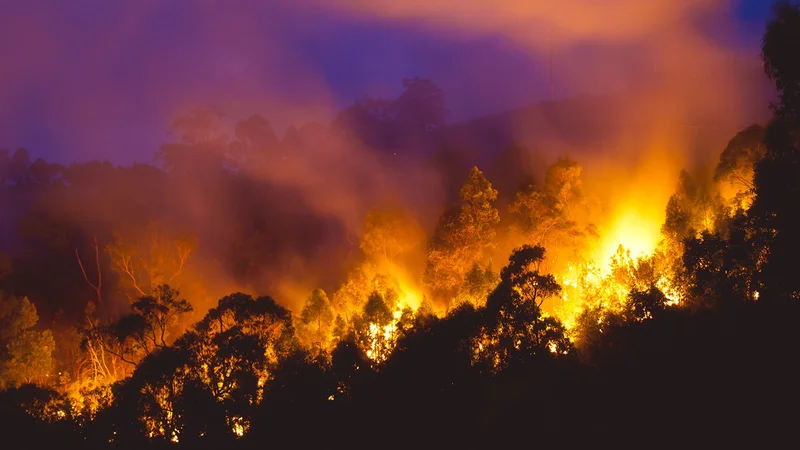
(656, 75)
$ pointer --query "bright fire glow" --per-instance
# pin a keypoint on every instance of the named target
(634, 231)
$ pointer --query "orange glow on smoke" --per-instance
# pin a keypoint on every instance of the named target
(634, 230)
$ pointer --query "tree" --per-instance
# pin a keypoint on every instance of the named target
(389, 233)
(691, 210)
(237, 344)
(646, 304)
(17, 167)
(779, 48)
(383, 123)
(202, 147)
(374, 328)
(421, 105)
(255, 139)
(145, 259)
(30, 359)
(370, 121)
(550, 215)
(737, 161)
(776, 184)
(478, 283)
(16, 316)
(160, 312)
(514, 329)
(261, 317)
(26, 355)
(522, 281)
(462, 237)
(96, 286)
(146, 329)
(316, 321)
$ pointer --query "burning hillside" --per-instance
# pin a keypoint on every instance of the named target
(387, 276)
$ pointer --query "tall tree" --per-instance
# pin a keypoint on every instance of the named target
(552, 215)
(776, 208)
(463, 235)
(515, 329)
(316, 321)
(374, 328)
(145, 259)
(26, 354)
(738, 159)
(154, 320)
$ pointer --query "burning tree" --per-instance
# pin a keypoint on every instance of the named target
(149, 327)
(26, 355)
(463, 235)
(316, 322)
(737, 163)
(375, 329)
(515, 328)
(145, 260)
(551, 215)
(210, 380)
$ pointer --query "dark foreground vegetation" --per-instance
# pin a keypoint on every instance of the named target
(717, 368)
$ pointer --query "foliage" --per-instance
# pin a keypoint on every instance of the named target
(711, 314)
(26, 355)
(462, 237)
(375, 331)
(316, 321)
(478, 284)
(740, 156)
(691, 210)
(515, 329)
(552, 215)
(382, 123)
(777, 187)
(146, 259)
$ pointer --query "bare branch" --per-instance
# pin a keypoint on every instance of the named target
(96, 287)
(97, 263)
(123, 263)
(183, 255)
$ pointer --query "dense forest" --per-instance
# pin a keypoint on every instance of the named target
(215, 300)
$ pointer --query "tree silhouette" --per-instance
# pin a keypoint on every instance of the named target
(777, 186)
(515, 329)
(740, 157)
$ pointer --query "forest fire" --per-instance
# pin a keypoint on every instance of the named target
(620, 269)
(377, 277)
(634, 232)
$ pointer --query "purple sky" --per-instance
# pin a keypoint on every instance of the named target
(102, 79)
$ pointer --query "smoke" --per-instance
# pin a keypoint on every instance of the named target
(133, 67)
(684, 87)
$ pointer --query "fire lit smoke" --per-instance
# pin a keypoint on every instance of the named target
(673, 78)
(362, 242)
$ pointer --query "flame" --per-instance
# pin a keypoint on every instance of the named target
(635, 230)
(410, 291)
(239, 425)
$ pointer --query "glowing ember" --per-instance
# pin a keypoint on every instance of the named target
(239, 425)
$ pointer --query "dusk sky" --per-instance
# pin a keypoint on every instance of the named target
(102, 79)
